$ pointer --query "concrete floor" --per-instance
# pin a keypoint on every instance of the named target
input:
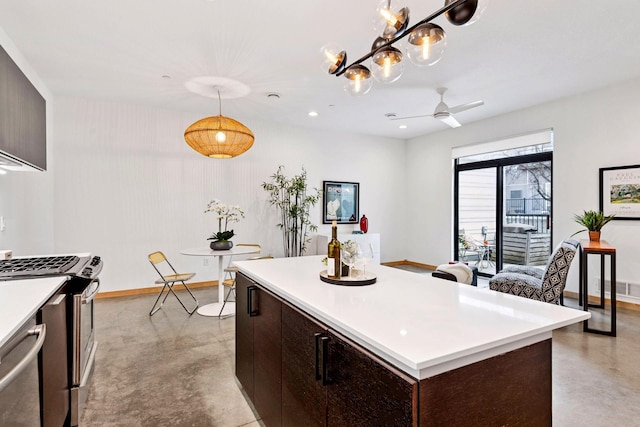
(176, 370)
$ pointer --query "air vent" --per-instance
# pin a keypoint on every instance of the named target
(630, 290)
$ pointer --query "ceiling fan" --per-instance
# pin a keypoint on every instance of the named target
(444, 113)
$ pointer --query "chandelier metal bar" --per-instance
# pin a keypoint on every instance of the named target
(429, 18)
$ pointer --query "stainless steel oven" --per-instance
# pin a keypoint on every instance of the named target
(84, 347)
(19, 377)
(81, 286)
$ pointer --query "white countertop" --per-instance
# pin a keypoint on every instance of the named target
(420, 324)
(21, 299)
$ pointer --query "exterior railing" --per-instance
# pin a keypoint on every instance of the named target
(542, 222)
(536, 205)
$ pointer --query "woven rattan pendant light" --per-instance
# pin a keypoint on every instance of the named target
(219, 137)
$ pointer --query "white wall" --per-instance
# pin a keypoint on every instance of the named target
(26, 198)
(593, 130)
(127, 184)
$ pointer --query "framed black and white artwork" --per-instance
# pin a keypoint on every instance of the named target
(340, 202)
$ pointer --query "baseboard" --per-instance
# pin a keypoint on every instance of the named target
(407, 262)
(152, 290)
(596, 300)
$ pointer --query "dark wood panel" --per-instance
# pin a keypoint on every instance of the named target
(22, 115)
(304, 399)
(244, 336)
(364, 391)
(512, 389)
(267, 353)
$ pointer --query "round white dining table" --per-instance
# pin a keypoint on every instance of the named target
(214, 308)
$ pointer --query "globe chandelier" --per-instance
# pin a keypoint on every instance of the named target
(425, 47)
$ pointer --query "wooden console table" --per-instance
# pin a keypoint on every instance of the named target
(601, 248)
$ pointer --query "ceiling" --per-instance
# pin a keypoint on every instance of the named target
(519, 54)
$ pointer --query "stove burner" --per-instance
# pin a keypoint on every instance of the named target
(40, 266)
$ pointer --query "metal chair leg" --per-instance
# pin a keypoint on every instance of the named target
(154, 309)
(180, 301)
(194, 299)
(226, 298)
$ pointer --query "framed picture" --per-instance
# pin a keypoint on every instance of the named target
(340, 202)
(620, 191)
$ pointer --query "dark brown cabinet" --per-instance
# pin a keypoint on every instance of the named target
(258, 320)
(304, 398)
(267, 353)
(22, 115)
(244, 334)
(323, 378)
(364, 391)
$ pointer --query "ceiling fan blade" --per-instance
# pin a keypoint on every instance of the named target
(410, 117)
(464, 107)
(450, 120)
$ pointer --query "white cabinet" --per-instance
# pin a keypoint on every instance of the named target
(374, 238)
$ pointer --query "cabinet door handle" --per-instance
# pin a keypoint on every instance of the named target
(41, 332)
(318, 336)
(251, 290)
(325, 351)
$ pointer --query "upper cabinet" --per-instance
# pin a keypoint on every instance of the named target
(22, 116)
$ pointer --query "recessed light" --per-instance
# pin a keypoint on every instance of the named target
(313, 114)
(390, 115)
(402, 126)
(166, 77)
(273, 95)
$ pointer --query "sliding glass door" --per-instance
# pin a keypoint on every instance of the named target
(526, 231)
(477, 218)
(502, 211)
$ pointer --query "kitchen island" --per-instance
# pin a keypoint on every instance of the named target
(407, 350)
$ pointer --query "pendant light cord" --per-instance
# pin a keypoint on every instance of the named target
(219, 104)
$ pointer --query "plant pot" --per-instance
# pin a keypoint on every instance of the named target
(594, 236)
(221, 245)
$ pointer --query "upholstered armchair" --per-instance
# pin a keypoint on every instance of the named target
(534, 283)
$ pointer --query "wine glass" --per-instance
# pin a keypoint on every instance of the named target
(365, 253)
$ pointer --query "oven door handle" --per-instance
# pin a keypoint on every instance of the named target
(90, 298)
(41, 332)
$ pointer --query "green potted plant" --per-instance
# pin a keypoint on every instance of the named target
(593, 221)
(221, 240)
(290, 197)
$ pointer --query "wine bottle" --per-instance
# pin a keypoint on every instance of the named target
(334, 265)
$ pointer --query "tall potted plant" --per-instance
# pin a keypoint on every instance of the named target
(593, 221)
(289, 196)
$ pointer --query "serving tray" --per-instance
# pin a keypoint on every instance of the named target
(359, 280)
